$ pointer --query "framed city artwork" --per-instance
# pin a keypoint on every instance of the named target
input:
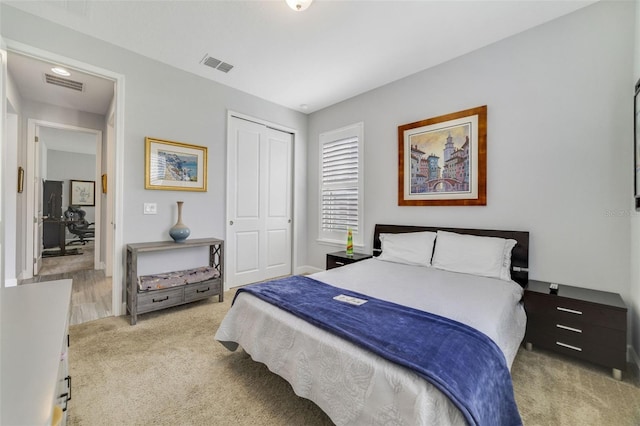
(442, 161)
(175, 166)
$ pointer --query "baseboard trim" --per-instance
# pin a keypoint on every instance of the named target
(12, 282)
(634, 359)
(306, 270)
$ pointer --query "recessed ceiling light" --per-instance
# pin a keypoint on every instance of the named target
(61, 71)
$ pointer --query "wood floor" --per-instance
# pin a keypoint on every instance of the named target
(91, 290)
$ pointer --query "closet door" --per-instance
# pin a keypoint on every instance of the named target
(259, 240)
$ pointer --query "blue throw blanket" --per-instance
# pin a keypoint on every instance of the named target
(460, 361)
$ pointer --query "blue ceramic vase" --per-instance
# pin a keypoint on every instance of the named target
(179, 232)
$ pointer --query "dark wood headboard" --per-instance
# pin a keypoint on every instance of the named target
(519, 255)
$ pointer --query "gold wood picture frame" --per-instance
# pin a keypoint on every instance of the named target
(175, 166)
(442, 161)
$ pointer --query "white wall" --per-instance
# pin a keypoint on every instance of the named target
(14, 245)
(167, 103)
(558, 144)
(10, 183)
(67, 166)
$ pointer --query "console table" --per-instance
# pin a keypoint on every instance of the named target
(140, 302)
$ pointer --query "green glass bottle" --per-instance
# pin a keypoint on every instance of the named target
(349, 242)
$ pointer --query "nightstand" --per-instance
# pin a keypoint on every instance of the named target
(587, 324)
(340, 258)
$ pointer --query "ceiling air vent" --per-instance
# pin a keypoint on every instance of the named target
(64, 82)
(216, 63)
(225, 67)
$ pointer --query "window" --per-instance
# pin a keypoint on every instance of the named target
(341, 185)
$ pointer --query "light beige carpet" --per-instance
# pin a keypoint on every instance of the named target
(168, 369)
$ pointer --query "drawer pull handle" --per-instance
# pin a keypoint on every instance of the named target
(575, 348)
(571, 311)
(66, 395)
(160, 300)
(339, 263)
(203, 291)
(564, 327)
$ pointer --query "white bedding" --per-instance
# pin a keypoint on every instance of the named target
(352, 385)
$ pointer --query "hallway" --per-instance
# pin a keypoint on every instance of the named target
(91, 291)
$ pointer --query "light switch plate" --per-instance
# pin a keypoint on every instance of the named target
(150, 208)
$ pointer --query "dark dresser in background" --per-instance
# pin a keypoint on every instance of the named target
(52, 231)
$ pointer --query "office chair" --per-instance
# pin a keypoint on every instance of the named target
(78, 225)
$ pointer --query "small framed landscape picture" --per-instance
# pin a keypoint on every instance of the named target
(175, 166)
(83, 193)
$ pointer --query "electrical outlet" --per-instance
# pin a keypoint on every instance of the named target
(150, 208)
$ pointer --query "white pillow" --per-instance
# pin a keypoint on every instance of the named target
(411, 248)
(472, 254)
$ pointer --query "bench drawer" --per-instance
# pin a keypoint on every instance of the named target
(158, 299)
(202, 290)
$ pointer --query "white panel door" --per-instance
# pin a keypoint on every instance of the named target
(278, 203)
(258, 203)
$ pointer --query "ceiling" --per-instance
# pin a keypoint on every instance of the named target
(29, 75)
(305, 60)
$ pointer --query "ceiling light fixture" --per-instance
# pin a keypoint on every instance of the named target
(61, 71)
(299, 5)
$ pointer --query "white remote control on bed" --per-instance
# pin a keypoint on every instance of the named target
(350, 300)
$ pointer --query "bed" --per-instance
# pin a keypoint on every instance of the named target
(357, 382)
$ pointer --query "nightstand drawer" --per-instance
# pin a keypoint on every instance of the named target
(340, 258)
(606, 349)
(566, 310)
(576, 333)
(336, 262)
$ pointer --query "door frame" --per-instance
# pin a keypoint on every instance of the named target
(32, 150)
(117, 166)
(294, 240)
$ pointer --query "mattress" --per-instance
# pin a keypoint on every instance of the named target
(355, 386)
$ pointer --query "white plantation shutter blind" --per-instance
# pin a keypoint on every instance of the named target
(340, 173)
(341, 183)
